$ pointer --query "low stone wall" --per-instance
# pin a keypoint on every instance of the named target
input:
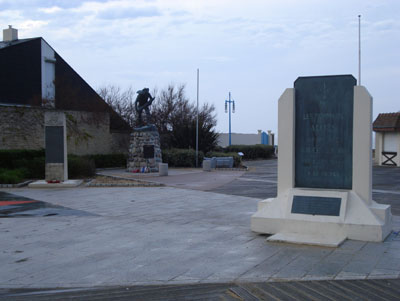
(21, 128)
(87, 133)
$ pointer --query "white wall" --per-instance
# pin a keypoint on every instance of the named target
(237, 138)
(48, 74)
(387, 142)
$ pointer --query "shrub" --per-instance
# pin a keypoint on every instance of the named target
(80, 166)
(32, 162)
(258, 151)
(181, 157)
(35, 167)
(236, 158)
(11, 159)
(109, 160)
(12, 176)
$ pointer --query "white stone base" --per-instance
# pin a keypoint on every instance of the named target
(356, 220)
(65, 184)
(304, 239)
(163, 169)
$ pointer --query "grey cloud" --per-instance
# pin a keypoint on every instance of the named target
(179, 13)
(133, 13)
(386, 25)
(23, 4)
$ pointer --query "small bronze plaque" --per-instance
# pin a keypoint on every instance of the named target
(148, 151)
(315, 205)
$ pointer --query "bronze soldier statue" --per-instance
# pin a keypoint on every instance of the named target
(143, 102)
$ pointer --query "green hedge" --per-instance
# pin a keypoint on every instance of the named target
(17, 165)
(258, 151)
(80, 167)
(12, 176)
(32, 161)
(236, 158)
(16, 158)
(109, 160)
(181, 157)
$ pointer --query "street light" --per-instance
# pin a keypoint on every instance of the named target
(229, 102)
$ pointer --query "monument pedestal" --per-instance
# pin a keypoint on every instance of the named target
(144, 150)
(285, 217)
(324, 167)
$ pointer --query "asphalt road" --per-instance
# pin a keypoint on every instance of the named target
(261, 182)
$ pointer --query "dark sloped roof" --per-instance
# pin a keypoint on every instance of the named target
(15, 42)
(72, 92)
(387, 122)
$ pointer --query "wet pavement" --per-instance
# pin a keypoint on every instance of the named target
(12, 205)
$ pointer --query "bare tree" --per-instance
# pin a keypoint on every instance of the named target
(172, 113)
(122, 102)
(175, 118)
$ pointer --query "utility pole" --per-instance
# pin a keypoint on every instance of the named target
(233, 111)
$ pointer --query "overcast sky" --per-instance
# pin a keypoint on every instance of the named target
(253, 48)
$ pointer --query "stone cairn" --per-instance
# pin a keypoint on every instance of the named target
(144, 150)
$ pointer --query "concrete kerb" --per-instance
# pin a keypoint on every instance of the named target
(177, 177)
(18, 185)
(142, 183)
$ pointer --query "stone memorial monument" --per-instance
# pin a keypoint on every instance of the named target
(144, 147)
(324, 167)
(56, 147)
(56, 163)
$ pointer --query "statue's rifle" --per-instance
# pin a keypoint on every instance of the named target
(147, 104)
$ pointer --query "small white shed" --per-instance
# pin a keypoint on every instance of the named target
(387, 139)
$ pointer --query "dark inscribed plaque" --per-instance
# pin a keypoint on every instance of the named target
(54, 137)
(148, 151)
(316, 205)
(324, 131)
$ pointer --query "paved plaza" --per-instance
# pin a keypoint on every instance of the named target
(168, 235)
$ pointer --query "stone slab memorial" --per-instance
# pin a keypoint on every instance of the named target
(56, 163)
(56, 147)
(324, 167)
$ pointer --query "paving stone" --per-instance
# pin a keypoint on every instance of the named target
(166, 235)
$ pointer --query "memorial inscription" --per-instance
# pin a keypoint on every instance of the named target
(54, 144)
(324, 131)
(316, 205)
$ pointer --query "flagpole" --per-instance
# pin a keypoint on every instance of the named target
(359, 50)
(197, 122)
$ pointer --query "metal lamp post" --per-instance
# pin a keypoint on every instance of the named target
(229, 101)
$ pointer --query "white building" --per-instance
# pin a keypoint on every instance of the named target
(246, 139)
(387, 139)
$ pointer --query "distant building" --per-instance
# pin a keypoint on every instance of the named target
(246, 139)
(35, 78)
(387, 139)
